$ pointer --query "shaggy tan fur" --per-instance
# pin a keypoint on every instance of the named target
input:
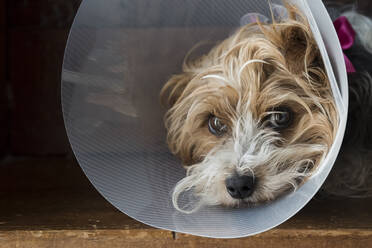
(241, 81)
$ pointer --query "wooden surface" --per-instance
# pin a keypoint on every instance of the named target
(50, 203)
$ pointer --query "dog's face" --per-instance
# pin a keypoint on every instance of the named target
(253, 118)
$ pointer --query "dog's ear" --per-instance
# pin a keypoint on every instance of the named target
(174, 88)
(295, 40)
(300, 49)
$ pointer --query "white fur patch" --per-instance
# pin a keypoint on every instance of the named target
(251, 150)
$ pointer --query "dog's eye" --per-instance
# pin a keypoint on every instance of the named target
(280, 118)
(216, 126)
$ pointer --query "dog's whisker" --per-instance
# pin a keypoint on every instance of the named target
(218, 77)
(248, 63)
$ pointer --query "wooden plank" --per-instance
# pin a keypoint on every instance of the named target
(55, 206)
(159, 238)
(52, 194)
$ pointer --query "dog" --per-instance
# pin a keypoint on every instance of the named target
(253, 118)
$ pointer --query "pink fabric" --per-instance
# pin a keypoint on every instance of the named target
(346, 35)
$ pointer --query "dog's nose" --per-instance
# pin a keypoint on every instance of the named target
(240, 187)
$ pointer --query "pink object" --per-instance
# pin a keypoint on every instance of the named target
(346, 35)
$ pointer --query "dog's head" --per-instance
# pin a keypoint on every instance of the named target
(253, 118)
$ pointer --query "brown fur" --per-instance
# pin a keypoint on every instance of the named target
(292, 75)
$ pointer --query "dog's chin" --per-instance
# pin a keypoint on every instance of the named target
(248, 202)
(218, 195)
(258, 198)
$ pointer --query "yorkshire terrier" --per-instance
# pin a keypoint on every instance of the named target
(253, 118)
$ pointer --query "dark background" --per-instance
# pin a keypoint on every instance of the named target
(33, 35)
